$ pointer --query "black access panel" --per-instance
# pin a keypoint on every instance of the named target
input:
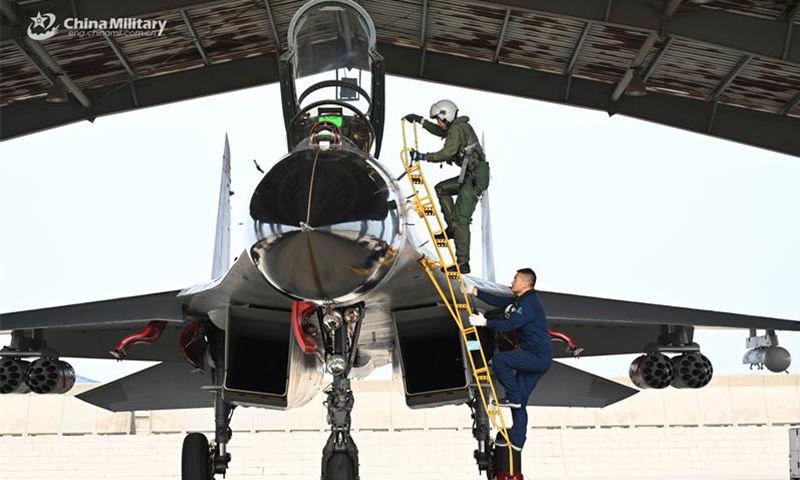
(431, 357)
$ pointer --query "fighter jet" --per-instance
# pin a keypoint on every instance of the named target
(331, 282)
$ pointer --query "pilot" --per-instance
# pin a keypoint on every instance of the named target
(521, 369)
(461, 146)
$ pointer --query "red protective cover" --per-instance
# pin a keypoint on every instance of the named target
(299, 312)
(506, 476)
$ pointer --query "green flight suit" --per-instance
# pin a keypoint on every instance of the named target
(458, 214)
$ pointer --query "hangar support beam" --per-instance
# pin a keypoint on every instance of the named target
(746, 34)
(423, 37)
(126, 64)
(657, 59)
(52, 67)
(636, 63)
(790, 27)
(576, 52)
(729, 78)
(765, 130)
(197, 40)
(275, 36)
(790, 105)
(502, 36)
(670, 7)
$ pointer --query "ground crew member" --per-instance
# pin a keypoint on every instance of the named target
(463, 148)
(519, 370)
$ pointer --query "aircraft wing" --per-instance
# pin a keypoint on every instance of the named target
(120, 311)
(565, 386)
(91, 330)
(599, 325)
(566, 309)
(168, 385)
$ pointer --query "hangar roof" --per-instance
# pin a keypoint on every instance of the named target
(728, 68)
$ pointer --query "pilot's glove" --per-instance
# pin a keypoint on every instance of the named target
(413, 117)
(417, 156)
(477, 320)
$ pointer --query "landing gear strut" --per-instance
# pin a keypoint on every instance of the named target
(340, 455)
(340, 334)
(201, 460)
(481, 431)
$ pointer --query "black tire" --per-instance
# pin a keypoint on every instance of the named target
(340, 467)
(195, 463)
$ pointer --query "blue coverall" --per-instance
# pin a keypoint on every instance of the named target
(520, 370)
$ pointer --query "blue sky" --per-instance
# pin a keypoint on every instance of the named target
(609, 207)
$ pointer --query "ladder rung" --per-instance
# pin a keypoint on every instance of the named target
(453, 274)
(441, 243)
(462, 306)
(481, 371)
(470, 330)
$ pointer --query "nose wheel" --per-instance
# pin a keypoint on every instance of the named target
(196, 458)
(341, 467)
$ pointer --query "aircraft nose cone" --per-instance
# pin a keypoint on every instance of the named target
(327, 224)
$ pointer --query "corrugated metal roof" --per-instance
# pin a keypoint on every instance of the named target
(452, 29)
(608, 52)
(769, 9)
(152, 56)
(20, 79)
(540, 41)
(233, 31)
(398, 22)
(764, 85)
(692, 69)
(90, 61)
(241, 28)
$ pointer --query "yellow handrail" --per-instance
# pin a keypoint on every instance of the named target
(425, 207)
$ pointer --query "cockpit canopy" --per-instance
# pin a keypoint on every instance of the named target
(333, 75)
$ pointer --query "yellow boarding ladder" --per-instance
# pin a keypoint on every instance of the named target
(460, 310)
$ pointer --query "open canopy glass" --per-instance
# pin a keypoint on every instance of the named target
(332, 73)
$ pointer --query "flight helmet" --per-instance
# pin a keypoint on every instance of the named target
(444, 109)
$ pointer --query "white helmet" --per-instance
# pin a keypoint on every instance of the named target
(444, 109)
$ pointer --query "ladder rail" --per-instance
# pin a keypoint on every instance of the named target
(464, 335)
(423, 204)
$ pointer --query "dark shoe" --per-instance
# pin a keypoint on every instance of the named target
(504, 402)
(462, 267)
(440, 236)
(501, 442)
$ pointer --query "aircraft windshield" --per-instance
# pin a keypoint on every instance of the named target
(332, 78)
(331, 41)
